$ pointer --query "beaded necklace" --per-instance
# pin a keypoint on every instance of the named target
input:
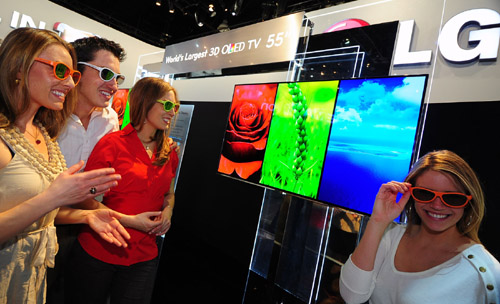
(49, 168)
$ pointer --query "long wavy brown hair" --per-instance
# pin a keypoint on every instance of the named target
(142, 98)
(17, 53)
(465, 179)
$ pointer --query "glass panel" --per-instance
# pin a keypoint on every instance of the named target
(266, 232)
(301, 257)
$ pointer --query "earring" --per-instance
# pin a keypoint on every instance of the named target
(17, 81)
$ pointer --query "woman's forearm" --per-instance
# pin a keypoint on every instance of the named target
(68, 215)
(169, 199)
(365, 253)
(76, 213)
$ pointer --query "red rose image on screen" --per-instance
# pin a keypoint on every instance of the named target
(247, 129)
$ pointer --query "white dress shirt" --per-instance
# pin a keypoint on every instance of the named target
(76, 143)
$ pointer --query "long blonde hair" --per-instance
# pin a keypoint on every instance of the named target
(466, 180)
(142, 98)
(17, 53)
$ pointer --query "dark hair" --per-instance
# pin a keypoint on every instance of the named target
(465, 179)
(17, 54)
(86, 49)
(142, 98)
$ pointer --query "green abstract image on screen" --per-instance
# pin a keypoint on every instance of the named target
(298, 136)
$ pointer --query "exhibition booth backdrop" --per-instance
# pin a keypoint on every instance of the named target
(297, 245)
(233, 241)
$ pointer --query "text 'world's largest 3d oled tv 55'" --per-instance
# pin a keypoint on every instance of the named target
(334, 141)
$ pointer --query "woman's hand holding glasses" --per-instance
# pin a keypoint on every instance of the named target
(387, 207)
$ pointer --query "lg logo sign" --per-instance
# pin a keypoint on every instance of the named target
(482, 43)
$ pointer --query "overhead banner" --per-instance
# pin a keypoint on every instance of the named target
(265, 42)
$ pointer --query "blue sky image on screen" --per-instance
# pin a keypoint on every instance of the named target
(372, 138)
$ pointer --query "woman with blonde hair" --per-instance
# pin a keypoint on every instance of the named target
(141, 153)
(437, 257)
(37, 77)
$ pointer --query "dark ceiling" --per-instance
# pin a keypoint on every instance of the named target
(156, 25)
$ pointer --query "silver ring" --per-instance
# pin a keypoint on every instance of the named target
(93, 190)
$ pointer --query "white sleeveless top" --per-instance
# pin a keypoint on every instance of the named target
(25, 257)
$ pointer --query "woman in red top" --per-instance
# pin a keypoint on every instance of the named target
(145, 194)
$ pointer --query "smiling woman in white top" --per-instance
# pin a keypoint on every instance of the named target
(437, 257)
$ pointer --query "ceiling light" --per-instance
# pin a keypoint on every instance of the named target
(198, 19)
(171, 9)
(211, 10)
(236, 7)
(158, 2)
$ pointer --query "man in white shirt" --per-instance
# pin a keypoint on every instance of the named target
(99, 62)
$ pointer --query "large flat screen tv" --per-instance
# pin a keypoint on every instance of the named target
(332, 141)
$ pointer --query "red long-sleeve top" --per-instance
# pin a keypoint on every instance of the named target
(142, 187)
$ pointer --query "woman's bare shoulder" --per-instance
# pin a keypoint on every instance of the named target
(5, 154)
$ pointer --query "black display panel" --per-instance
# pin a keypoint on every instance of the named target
(332, 141)
(354, 53)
